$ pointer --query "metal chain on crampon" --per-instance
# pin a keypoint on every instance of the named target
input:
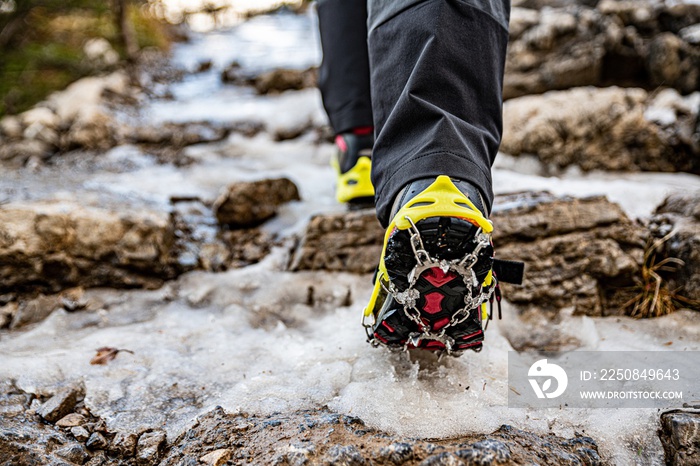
(463, 267)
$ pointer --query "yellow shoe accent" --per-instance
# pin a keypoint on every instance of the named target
(356, 182)
(440, 199)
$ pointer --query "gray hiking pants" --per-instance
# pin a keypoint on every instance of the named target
(428, 75)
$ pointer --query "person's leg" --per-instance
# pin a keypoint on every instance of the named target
(344, 84)
(436, 80)
(344, 73)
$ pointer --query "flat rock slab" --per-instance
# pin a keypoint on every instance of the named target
(345, 242)
(248, 204)
(54, 245)
(578, 252)
(323, 437)
(49, 247)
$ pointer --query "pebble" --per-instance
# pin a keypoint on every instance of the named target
(216, 457)
(71, 420)
(80, 433)
(150, 447)
(75, 453)
(124, 444)
(60, 404)
(96, 441)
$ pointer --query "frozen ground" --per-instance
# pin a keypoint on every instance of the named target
(250, 339)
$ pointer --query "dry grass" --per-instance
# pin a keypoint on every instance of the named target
(653, 295)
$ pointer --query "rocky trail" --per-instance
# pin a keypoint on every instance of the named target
(178, 285)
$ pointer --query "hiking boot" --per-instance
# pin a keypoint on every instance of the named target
(436, 272)
(353, 163)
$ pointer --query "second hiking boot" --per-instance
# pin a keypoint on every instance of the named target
(353, 164)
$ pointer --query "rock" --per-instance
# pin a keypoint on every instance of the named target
(11, 127)
(24, 149)
(35, 310)
(349, 242)
(324, 437)
(397, 453)
(234, 74)
(40, 115)
(270, 82)
(680, 437)
(673, 62)
(80, 433)
(54, 245)
(82, 100)
(7, 313)
(150, 447)
(554, 49)
(73, 453)
(96, 441)
(124, 444)
(619, 42)
(203, 244)
(216, 458)
(485, 452)
(578, 252)
(71, 420)
(179, 134)
(348, 455)
(442, 459)
(62, 403)
(96, 132)
(299, 454)
(676, 225)
(280, 80)
(247, 204)
(606, 129)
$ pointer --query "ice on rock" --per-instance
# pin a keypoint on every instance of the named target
(258, 340)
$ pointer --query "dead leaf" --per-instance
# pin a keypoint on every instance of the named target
(668, 343)
(106, 354)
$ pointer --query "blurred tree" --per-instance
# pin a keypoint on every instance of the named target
(43, 43)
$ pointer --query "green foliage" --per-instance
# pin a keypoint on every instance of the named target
(41, 45)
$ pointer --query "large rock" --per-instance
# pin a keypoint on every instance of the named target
(554, 49)
(54, 245)
(631, 43)
(578, 252)
(273, 81)
(350, 242)
(322, 437)
(680, 436)
(248, 204)
(609, 129)
(676, 227)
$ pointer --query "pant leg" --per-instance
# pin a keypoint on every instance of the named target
(436, 81)
(344, 72)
